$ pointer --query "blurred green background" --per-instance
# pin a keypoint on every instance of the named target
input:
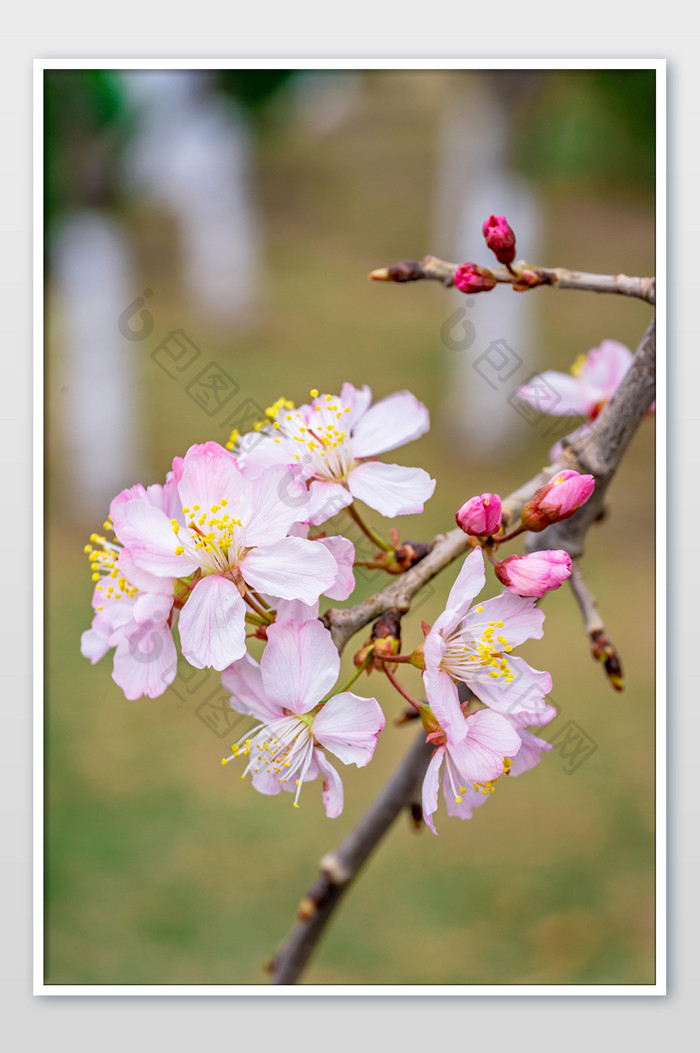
(162, 867)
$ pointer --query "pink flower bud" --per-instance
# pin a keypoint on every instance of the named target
(500, 238)
(480, 516)
(535, 574)
(470, 278)
(558, 499)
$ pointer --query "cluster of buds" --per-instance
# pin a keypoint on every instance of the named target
(384, 643)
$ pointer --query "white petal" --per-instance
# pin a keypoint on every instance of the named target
(270, 503)
(558, 394)
(212, 624)
(470, 581)
(209, 473)
(348, 726)
(390, 488)
(343, 552)
(326, 500)
(391, 422)
(293, 568)
(148, 534)
(522, 620)
(431, 784)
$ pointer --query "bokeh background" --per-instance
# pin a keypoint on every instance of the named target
(208, 238)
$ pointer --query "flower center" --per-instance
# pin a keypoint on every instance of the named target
(283, 748)
(213, 538)
(469, 658)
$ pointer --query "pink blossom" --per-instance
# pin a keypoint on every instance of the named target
(500, 238)
(230, 535)
(334, 439)
(531, 747)
(556, 500)
(132, 611)
(470, 278)
(480, 516)
(286, 693)
(474, 645)
(535, 573)
(585, 391)
(475, 752)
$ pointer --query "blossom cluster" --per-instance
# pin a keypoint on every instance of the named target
(228, 550)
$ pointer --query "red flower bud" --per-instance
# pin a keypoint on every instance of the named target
(470, 278)
(557, 500)
(500, 238)
(535, 574)
(480, 516)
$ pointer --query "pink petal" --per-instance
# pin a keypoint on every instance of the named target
(343, 552)
(212, 624)
(209, 473)
(270, 503)
(145, 664)
(151, 607)
(391, 422)
(326, 500)
(441, 690)
(332, 786)
(431, 784)
(243, 681)
(142, 579)
(522, 620)
(493, 732)
(149, 536)
(471, 799)
(357, 400)
(292, 568)
(530, 753)
(299, 666)
(391, 489)
(93, 645)
(558, 394)
(348, 726)
(605, 366)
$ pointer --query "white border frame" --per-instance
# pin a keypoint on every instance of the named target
(228, 990)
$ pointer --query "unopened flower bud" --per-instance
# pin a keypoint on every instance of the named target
(411, 552)
(603, 650)
(480, 516)
(500, 238)
(416, 659)
(536, 573)
(558, 499)
(363, 653)
(470, 278)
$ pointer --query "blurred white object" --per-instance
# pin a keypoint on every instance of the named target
(191, 151)
(93, 281)
(324, 100)
(473, 182)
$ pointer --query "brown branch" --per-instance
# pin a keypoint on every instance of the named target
(431, 268)
(338, 868)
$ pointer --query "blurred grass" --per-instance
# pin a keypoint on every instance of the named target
(164, 868)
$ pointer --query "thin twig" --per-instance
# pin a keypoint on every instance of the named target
(602, 647)
(339, 868)
(430, 268)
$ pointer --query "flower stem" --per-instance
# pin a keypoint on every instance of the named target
(264, 615)
(404, 694)
(374, 538)
(354, 676)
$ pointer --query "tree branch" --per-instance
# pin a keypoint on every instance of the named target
(431, 268)
(602, 647)
(338, 868)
